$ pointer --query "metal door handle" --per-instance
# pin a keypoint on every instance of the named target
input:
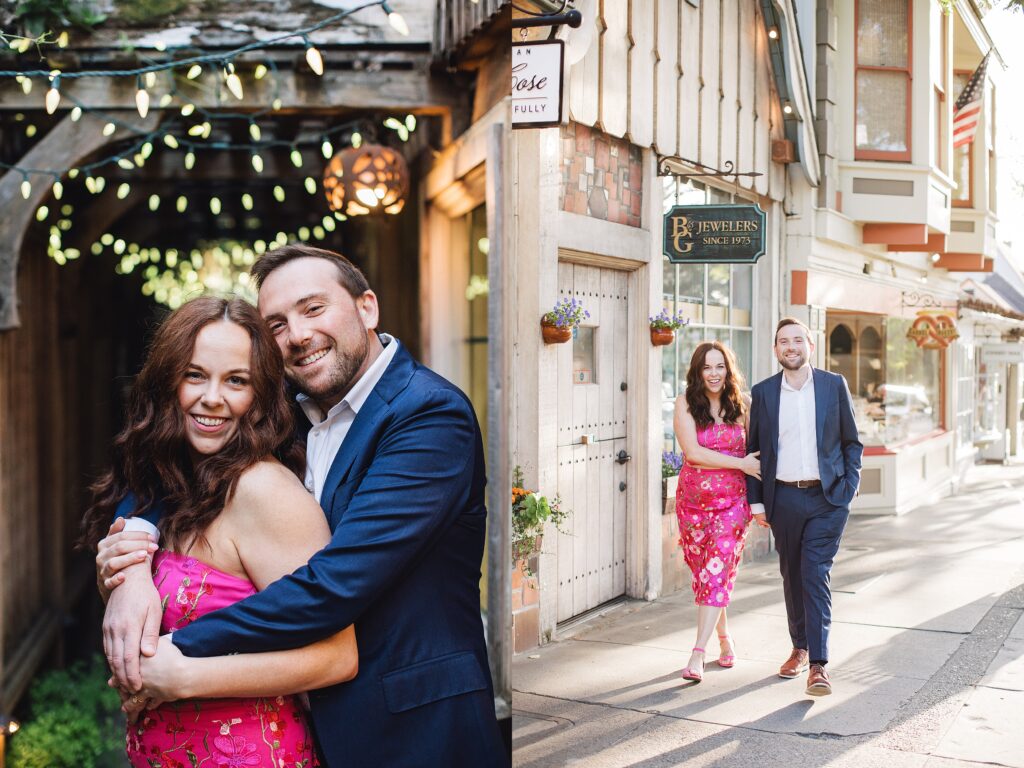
(622, 486)
(623, 457)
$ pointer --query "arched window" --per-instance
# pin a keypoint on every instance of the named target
(840, 353)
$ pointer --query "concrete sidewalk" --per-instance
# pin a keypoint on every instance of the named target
(927, 659)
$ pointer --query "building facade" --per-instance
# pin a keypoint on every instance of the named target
(654, 111)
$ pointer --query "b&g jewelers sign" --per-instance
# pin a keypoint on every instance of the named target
(714, 233)
(537, 84)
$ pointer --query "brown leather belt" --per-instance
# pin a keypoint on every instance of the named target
(799, 483)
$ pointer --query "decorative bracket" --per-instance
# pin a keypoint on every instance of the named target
(573, 18)
(921, 300)
(665, 169)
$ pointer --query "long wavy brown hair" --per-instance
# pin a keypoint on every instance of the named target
(151, 458)
(730, 400)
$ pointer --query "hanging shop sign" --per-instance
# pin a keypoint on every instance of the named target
(1002, 354)
(714, 233)
(933, 330)
(537, 84)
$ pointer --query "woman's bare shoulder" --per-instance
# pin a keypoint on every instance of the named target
(268, 486)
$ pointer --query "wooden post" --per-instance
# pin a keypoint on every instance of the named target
(499, 494)
(63, 147)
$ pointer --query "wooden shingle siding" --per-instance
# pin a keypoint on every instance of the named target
(457, 20)
(683, 80)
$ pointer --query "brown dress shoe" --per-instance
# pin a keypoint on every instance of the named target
(795, 664)
(817, 681)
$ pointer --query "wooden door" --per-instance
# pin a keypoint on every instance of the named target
(593, 462)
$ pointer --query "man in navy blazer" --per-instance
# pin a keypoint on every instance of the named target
(404, 496)
(802, 422)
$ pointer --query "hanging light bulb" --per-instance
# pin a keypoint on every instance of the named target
(313, 57)
(310, 185)
(62, 39)
(233, 81)
(30, 130)
(187, 109)
(125, 163)
(150, 79)
(260, 71)
(257, 162)
(141, 98)
(247, 201)
(146, 150)
(170, 141)
(276, 104)
(72, 173)
(296, 157)
(396, 20)
(181, 204)
(26, 188)
(53, 96)
(165, 100)
(215, 206)
(108, 129)
(26, 84)
(58, 190)
(254, 131)
(279, 193)
(194, 71)
(123, 191)
(190, 160)
(327, 149)
(76, 114)
(357, 140)
(154, 202)
(42, 212)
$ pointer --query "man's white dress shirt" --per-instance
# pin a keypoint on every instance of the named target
(797, 458)
(328, 432)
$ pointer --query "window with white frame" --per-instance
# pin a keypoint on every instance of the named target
(965, 394)
(717, 299)
(883, 76)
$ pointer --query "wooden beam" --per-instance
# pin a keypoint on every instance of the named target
(66, 145)
(963, 262)
(936, 244)
(895, 234)
(401, 90)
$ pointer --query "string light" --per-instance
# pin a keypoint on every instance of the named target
(254, 131)
(313, 57)
(233, 81)
(296, 157)
(154, 202)
(257, 162)
(26, 188)
(194, 71)
(76, 114)
(142, 98)
(327, 149)
(396, 20)
(123, 191)
(260, 72)
(53, 96)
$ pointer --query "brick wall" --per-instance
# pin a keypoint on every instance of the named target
(525, 609)
(601, 176)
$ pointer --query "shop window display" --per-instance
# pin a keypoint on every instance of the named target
(717, 299)
(896, 386)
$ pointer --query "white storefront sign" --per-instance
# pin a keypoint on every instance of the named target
(537, 84)
(1002, 354)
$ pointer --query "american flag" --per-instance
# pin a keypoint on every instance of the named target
(967, 110)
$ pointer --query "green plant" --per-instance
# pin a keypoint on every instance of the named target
(664, 320)
(40, 16)
(138, 11)
(74, 721)
(566, 314)
(530, 511)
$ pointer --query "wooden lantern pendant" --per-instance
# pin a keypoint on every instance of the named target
(368, 179)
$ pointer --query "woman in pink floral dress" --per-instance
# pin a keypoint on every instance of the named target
(711, 498)
(209, 436)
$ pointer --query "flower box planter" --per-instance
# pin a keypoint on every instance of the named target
(661, 337)
(553, 334)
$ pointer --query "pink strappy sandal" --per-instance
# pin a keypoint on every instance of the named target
(691, 674)
(727, 660)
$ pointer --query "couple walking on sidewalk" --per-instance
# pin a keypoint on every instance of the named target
(787, 457)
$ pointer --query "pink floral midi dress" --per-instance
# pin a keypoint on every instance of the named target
(713, 515)
(217, 733)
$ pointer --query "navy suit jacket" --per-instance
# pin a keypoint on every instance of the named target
(405, 502)
(839, 447)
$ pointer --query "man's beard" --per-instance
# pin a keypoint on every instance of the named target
(793, 365)
(340, 378)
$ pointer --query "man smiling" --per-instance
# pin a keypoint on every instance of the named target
(394, 457)
(802, 422)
